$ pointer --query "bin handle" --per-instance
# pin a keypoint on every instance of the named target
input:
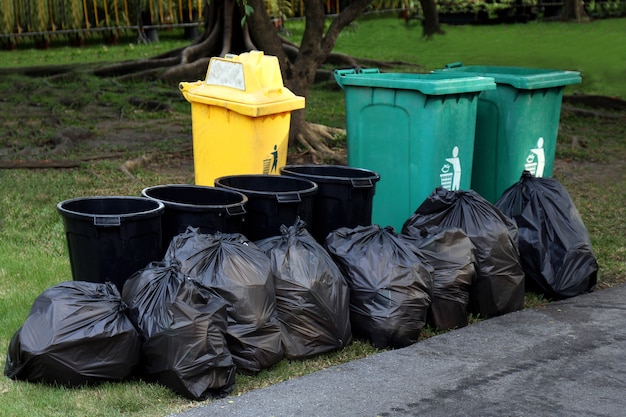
(288, 198)
(273, 91)
(339, 74)
(107, 221)
(369, 71)
(186, 86)
(235, 210)
(343, 72)
(457, 64)
(362, 183)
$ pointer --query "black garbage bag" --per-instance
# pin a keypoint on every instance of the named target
(240, 273)
(555, 248)
(450, 252)
(390, 287)
(312, 296)
(498, 287)
(77, 333)
(182, 325)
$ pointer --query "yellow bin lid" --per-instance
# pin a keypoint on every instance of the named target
(250, 84)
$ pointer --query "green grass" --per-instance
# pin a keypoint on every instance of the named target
(33, 254)
(554, 45)
(94, 50)
(122, 399)
(594, 49)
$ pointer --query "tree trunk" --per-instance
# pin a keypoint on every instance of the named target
(315, 48)
(431, 19)
(300, 64)
(574, 10)
(300, 73)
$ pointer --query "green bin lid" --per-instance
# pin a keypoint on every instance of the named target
(428, 84)
(519, 77)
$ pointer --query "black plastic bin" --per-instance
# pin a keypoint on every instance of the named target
(273, 200)
(111, 238)
(209, 209)
(344, 197)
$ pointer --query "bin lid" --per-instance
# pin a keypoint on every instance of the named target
(250, 84)
(519, 77)
(436, 83)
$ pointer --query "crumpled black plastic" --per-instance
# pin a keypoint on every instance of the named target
(312, 296)
(451, 254)
(77, 333)
(554, 244)
(182, 325)
(390, 287)
(240, 273)
(499, 284)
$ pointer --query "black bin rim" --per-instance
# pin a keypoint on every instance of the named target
(99, 210)
(239, 203)
(281, 185)
(331, 173)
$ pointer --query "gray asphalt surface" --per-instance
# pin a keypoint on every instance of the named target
(565, 359)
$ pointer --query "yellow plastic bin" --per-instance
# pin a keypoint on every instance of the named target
(240, 117)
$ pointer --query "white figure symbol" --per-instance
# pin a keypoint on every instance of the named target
(456, 168)
(536, 159)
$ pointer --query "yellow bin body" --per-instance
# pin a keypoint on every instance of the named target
(240, 117)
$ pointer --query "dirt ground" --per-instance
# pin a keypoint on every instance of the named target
(43, 135)
(53, 127)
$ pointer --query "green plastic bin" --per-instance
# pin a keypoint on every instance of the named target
(516, 124)
(415, 130)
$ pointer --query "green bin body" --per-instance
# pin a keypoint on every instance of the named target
(516, 124)
(415, 130)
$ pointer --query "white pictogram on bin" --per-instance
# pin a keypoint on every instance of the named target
(536, 160)
(451, 172)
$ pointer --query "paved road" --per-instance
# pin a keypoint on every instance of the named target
(565, 359)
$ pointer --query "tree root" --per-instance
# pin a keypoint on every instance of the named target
(591, 113)
(189, 72)
(39, 164)
(330, 133)
(337, 59)
(135, 66)
(53, 163)
(133, 164)
(314, 139)
(596, 102)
